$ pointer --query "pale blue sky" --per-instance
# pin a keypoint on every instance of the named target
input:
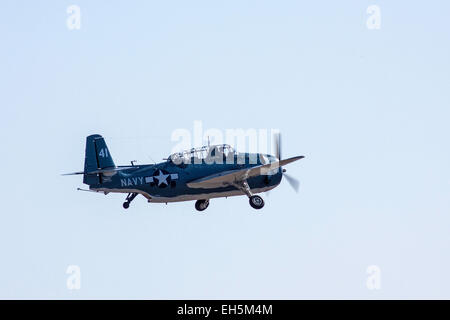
(368, 108)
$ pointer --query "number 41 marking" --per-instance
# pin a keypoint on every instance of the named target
(103, 153)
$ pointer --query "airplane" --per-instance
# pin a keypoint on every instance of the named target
(198, 174)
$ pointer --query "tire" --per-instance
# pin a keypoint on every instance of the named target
(256, 202)
(126, 205)
(201, 205)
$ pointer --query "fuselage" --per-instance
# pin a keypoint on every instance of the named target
(167, 181)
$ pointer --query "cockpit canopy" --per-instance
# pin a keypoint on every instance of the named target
(196, 154)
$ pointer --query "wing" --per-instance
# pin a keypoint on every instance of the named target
(231, 177)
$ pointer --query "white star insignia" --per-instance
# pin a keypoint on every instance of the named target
(162, 178)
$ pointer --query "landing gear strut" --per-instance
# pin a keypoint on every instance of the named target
(130, 197)
(201, 205)
(256, 202)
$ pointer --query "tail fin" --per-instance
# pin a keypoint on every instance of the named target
(97, 157)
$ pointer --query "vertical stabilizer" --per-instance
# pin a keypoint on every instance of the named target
(97, 157)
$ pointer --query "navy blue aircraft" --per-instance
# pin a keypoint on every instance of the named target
(198, 174)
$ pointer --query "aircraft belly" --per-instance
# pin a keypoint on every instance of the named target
(185, 193)
(206, 195)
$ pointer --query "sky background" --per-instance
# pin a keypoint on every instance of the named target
(368, 108)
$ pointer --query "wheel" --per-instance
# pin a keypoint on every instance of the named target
(256, 202)
(201, 205)
(126, 205)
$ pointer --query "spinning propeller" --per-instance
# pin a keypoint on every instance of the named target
(290, 179)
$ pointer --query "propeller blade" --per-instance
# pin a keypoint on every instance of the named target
(292, 181)
(277, 145)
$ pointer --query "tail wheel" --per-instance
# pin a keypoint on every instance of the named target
(256, 202)
(201, 205)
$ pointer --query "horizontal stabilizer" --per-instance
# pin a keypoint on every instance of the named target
(72, 173)
(104, 171)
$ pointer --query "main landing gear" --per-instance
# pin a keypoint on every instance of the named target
(201, 205)
(256, 202)
(128, 200)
